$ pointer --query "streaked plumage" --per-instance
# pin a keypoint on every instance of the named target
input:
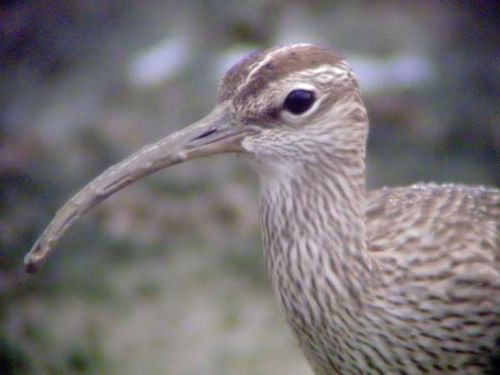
(403, 280)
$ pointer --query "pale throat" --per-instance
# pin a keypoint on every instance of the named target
(314, 227)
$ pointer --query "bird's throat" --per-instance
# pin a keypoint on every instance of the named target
(314, 239)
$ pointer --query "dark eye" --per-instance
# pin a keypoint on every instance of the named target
(299, 101)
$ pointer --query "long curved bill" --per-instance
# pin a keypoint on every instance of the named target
(214, 134)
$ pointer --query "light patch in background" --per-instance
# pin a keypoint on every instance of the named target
(400, 71)
(159, 63)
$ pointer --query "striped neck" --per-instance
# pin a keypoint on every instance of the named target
(315, 245)
(314, 225)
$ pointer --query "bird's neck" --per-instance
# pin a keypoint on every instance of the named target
(314, 234)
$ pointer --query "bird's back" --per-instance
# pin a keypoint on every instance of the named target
(439, 252)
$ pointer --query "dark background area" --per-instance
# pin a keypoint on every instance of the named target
(168, 277)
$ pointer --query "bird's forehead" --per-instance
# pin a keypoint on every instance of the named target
(261, 68)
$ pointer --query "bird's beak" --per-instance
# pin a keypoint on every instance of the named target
(214, 134)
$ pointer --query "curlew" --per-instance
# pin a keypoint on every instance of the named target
(399, 280)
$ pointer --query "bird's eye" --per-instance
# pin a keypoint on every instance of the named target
(299, 101)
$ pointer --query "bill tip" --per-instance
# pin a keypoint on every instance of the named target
(31, 266)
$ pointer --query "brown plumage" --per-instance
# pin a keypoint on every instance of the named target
(403, 280)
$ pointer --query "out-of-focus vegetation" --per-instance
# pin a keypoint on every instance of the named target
(167, 277)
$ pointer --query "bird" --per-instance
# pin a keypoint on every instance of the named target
(399, 280)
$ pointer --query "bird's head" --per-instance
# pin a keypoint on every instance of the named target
(278, 106)
(291, 102)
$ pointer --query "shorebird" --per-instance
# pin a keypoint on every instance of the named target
(399, 280)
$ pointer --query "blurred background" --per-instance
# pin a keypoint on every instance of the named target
(168, 277)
